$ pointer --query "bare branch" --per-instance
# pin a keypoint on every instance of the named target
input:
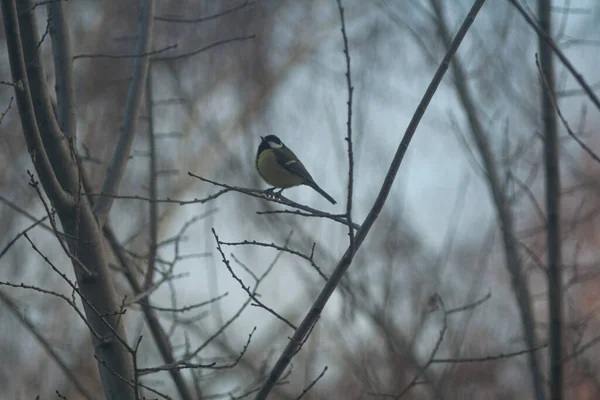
(63, 68)
(310, 386)
(552, 177)
(281, 248)
(251, 294)
(495, 357)
(152, 188)
(7, 109)
(122, 56)
(260, 194)
(122, 151)
(203, 49)
(348, 123)
(22, 233)
(183, 20)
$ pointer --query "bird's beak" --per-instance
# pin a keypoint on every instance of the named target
(262, 138)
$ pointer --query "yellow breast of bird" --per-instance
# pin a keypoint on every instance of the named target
(273, 173)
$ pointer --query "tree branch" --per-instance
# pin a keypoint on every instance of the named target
(63, 68)
(120, 156)
(152, 206)
(25, 105)
(552, 175)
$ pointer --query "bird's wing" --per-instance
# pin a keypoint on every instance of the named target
(292, 164)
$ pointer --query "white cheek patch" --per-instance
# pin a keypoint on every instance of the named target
(275, 145)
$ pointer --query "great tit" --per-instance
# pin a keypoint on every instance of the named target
(280, 167)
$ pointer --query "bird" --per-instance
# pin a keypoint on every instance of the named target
(280, 168)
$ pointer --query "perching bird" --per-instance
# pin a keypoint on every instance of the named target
(280, 167)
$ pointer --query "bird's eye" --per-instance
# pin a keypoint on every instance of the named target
(275, 145)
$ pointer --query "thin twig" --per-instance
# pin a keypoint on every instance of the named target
(470, 306)
(348, 125)
(250, 293)
(494, 357)
(152, 188)
(125, 56)
(280, 248)
(183, 20)
(312, 383)
(203, 49)
(23, 232)
(190, 307)
(7, 109)
(260, 194)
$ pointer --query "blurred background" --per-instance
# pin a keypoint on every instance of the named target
(280, 70)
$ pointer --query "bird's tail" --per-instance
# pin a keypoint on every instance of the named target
(322, 192)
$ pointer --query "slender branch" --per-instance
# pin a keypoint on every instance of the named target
(203, 49)
(470, 306)
(495, 357)
(70, 302)
(183, 20)
(315, 311)
(348, 123)
(190, 307)
(6, 110)
(310, 386)
(310, 215)
(63, 68)
(251, 294)
(260, 194)
(22, 233)
(258, 280)
(85, 301)
(121, 56)
(122, 151)
(153, 206)
(552, 177)
(281, 248)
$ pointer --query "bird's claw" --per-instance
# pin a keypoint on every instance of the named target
(271, 192)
